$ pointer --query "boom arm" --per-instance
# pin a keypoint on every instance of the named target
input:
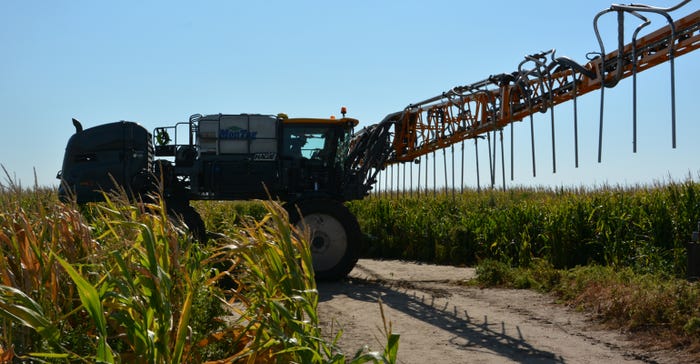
(541, 81)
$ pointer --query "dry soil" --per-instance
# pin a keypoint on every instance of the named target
(443, 321)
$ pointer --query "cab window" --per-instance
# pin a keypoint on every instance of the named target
(308, 143)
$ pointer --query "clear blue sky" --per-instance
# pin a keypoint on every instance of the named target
(158, 62)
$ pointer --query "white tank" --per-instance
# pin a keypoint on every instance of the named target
(237, 134)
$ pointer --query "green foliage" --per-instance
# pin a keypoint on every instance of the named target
(122, 282)
(92, 303)
(121, 278)
(493, 273)
(272, 261)
(16, 306)
(280, 296)
(542, 275)
(227, 217)
(644, 228)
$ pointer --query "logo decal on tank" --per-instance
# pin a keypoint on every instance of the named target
(236, 133)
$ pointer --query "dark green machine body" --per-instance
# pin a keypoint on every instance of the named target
(296, 159)
(97, 158)
(302, 162)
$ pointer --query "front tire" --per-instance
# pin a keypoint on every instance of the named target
(184, 212)
(335, 236)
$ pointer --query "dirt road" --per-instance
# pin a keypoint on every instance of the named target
(441, 321)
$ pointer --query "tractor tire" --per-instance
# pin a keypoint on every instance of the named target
(190, 217)
(335, 236)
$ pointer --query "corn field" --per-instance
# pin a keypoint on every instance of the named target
(645, 228)
(121, 282)
(124, 282)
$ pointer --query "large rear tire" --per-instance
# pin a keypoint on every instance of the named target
(335, 236)
(182, 211)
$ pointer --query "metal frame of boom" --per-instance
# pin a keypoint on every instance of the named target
(541, 81)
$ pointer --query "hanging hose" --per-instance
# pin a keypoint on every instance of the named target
(476, 153)
(410, 180)
(491, 167)
(452, 150)
(634, 78)
(522, 82)
(503, 161)
(567, 63)
(634, 9)
(461, 181)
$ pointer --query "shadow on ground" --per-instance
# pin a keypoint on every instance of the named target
(470, 333)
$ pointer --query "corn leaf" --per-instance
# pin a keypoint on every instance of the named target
(18, 307)
(93, 305)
